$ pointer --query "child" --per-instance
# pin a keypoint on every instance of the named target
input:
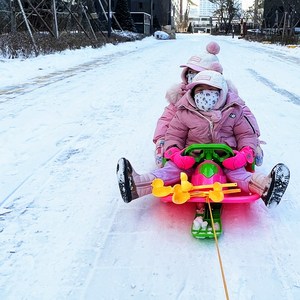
(206, 61)
(196, 64)
(208, 113)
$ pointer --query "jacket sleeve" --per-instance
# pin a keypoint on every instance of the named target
(244, 133)
(177, 132)
(163, 122)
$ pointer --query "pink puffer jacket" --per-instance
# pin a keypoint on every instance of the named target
(173, 96)
(190, 126)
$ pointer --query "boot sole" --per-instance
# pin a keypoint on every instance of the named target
(125, 179)
(280, 179)
(123, 173)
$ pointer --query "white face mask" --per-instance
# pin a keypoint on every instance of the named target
(190, 77)
(206, 99)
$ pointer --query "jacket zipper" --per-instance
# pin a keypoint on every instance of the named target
(250, 124)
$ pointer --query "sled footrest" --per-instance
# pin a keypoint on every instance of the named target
(202, 225)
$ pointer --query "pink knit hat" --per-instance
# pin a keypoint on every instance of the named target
(206, 61)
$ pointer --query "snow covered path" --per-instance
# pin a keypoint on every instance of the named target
(66, 234)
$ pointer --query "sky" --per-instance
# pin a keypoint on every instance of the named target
(67, 118)
(247, 3)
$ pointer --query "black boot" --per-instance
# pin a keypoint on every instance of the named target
(131, 184)
(125, 179)
(272, 187)
(280, 177)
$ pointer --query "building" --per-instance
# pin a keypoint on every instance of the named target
(206, 8)
(201, 16)
(166, 12)
(194, 11)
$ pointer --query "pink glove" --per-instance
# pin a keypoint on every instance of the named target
(183, 162)
(240, 159)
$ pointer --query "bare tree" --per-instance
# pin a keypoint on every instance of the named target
(225, 12)
(255, 13)
(292, 11)
(184, 20)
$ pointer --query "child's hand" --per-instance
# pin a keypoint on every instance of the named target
(240, 159)
(183, 162)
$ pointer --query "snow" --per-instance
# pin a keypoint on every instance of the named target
(65, 232)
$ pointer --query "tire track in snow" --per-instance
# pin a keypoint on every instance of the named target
(273, 52)
(86, 140)
(63, 154)
(68, 150)
(28, 231)
(27, 178)
(292, 97)
(11, 92)
(99, 250)
(286, 273)
(282, 270)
